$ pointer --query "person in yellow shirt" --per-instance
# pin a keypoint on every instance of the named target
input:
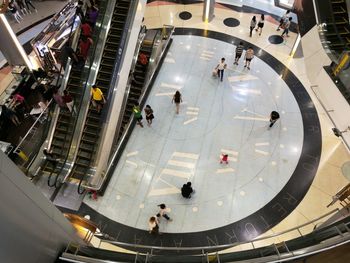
(97, 98)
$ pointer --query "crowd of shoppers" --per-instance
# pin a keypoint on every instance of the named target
(20, 8)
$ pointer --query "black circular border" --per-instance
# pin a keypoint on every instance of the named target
(185, 15)
(231, 22)
(276, 39)
(265, 218)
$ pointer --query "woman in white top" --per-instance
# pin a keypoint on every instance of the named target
(260, 24)
(283, 19)
(220, 68)
(252, 25)
(249, 55)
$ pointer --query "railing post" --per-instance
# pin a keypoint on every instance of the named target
(137, 254)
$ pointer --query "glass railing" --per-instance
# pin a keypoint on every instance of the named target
(311, 238)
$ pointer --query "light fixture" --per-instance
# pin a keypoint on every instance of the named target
(16, 42)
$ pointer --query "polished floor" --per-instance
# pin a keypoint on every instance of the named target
(216, 117)
(172, 132)
(229, 117)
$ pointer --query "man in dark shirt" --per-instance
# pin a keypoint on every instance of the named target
(187, 190)
(239, 51)
(274, 116)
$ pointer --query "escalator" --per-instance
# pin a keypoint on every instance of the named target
(338, 29)
(91, 131)
(64, 127)
(137, 84)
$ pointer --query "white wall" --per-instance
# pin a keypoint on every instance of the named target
(32, 229)
(315, 58)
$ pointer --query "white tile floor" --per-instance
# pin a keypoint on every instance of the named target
(216, 117)
(334, 153)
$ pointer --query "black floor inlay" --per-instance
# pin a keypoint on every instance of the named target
(276, 39)
(185, 15)
(231, 22)
(273, 212)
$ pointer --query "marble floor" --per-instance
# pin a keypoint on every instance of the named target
(216, 117)
(141, 175)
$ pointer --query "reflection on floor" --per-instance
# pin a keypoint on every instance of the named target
(329, 177)
(216, 117)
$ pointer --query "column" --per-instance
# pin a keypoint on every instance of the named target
(208, 10)
(10, 46)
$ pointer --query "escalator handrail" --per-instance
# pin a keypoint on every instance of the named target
(142, 35)
(114, 80)
(83, 112)
(75, 41)
(88, 65)
(113, 161)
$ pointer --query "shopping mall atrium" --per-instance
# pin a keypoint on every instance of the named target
(175, 131)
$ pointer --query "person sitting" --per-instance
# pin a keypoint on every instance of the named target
(187, 190)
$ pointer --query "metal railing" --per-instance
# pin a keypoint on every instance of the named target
(318, 240)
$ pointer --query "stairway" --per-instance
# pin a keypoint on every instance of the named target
(92, 128)
(338, 30)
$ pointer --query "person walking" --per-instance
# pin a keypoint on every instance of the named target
(149, 114)
(22, 7)
(283, 19)
(187, 190)
(224, 158)
(220, 68)
(153, 225)
(252, 25)
(162, 212)
(177, 98)
(29, 3)
(260, 24)
(249, 55)
(15, 12)
(274, 116)
(286, 26)
(98, 100)
(239, 51)
(137, 112)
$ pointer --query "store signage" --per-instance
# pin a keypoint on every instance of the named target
(3, 6)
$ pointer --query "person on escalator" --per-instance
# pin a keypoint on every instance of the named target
(50, 157)
(85, 28)
(98, 100)
(84, 45)
(92, 15)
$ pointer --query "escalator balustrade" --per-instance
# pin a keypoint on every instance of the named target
(338, 30)
(137, 85)
(91, 130)
(65, 126)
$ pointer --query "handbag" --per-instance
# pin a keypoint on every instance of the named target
(215, 72)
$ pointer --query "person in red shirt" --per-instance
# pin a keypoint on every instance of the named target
(84, 46)
(85, 28)
(224, 158)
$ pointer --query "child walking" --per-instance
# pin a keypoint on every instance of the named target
(162, 212)
(224, 158)
(149, 114)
